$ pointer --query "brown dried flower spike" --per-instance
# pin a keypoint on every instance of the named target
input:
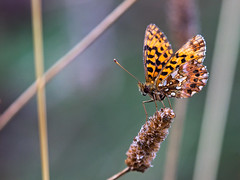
(145, 146)
(147, 143)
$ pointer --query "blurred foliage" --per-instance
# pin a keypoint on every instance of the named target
(94, 108)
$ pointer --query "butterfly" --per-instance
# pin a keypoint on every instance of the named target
(179, 75)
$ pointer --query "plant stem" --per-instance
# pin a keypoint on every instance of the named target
(121, 173)
(224, 63)
(41, 99)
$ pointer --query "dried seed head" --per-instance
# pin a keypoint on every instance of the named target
(145, 146)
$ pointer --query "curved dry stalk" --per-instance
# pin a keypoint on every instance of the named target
(121, 173)
(65, 60)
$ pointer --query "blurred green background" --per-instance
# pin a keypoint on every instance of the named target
(94, 108)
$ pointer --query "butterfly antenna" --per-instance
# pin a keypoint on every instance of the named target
(124, 69)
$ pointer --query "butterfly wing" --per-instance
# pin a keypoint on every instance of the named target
(193, 50)
(156, 52)
(187, 80)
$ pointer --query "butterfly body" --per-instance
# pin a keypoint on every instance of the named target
(151, 90)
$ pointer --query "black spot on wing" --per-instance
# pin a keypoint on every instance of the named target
(158, 53)
(146, 47)
(163, 63)
(150, 69)
(158, 62)
(150, 62)
(150, 32)
(164, 73)
(183, 60)
(155, 48)
(173, 62)
(189, 91)
(157, 70)
(192, 85)
(169, 67)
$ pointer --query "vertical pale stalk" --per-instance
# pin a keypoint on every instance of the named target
(41, 99)
(219, 91)
(174, 141)
(183, 24)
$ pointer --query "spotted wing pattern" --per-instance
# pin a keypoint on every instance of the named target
(187, 80)
(194, 50)
(156, 52)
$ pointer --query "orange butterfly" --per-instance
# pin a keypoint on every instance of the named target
(179, 75)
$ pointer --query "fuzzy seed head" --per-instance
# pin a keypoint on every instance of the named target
(147, 143)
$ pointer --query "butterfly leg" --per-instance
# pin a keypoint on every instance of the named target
(169, 102)
(154, 97)
(163, 104)
(151, 100)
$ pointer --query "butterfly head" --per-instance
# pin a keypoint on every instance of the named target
(144, 88)
(148, 89)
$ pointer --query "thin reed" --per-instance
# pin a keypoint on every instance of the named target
(219, 92)
(41, 98)
(183, 24)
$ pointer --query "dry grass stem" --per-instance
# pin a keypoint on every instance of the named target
(174, 141)
(183, 20)
(216, 107)
(121, 173)
(41, 99)
(65, 60)
(183, 23)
